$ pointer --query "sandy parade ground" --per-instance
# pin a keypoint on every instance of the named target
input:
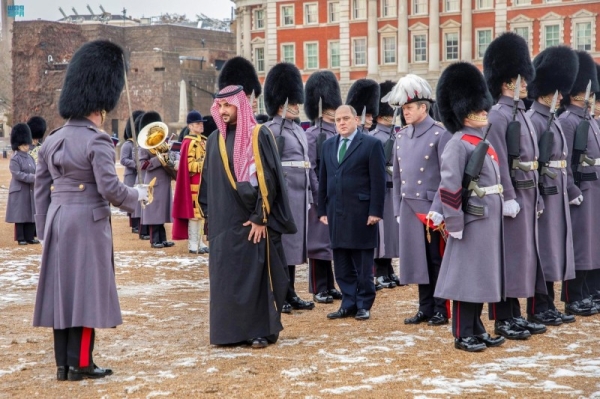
(162, 348)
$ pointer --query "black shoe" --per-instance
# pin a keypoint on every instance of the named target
(323, 297)
(533, 328)
(300, 304)
(22, 242)
(378, 286)
(510, 331)
(135, 230)
(144, 237)
(395, 279)
(93, 371)
(417, 319)
(595, 298)
(62, 373)
(168, 244)
(205, 249)
(438, 319)
(335, 294)
(547, 318)
(258, 343)
(386, 282)
(362, 314)
(341, 313)
(286, 308)
(490, 341)
(580, 308)
(469, 344)
(34, 241)
(157, 245)
(565, 318)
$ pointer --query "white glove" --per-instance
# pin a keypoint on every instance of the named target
(457, 235)
(142, 192)
(577, 201)
(539, 213)
(435, 217)
(511, 208)
(398, 219)
(41, 243)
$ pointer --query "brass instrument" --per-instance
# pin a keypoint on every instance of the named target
(153, 137)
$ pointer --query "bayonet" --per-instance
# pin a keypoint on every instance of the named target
(593, 107)
(284, 113)
(363, 117)
(516, 98)
(552, 109)
(320, 107)
(586, 99)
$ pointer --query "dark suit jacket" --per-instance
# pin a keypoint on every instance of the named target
(351, 191)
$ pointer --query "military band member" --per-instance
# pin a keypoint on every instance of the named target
(322, 92)
(506, 59)
(584, 160)
(416, 178)
(143, 229)
(284, 92)
(364, 97)
(555, 72)
(128, 162)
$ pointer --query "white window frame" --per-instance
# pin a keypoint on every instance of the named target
(445, 34)
(306, 44)
(389, 8)
(419, 7)
(517, 3)
(481, 6)
(255, 19)
(552, 1)
(520, 22)
(548, 20)
(583, 16)
(330, 12)
(414, 47)
(307, 15)
(330, 54)
(282, 22)
(256, 59)
(448, 2)
(293, 45)
(355, 10)
(478, 44)
(354, 40)
(383, 39)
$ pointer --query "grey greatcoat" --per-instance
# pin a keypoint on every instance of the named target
(416, 179)
(585, 217)
(388, 241)
(128, 162)
(555, 237)
(295, 148)
(317, 243)
(75, 184)
(472, 267)
(20, 207)
(159, 211)
(520, 233)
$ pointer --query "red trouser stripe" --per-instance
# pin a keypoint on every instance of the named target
(567, 291)
(457, 315)
(448, 308)
(86, 340)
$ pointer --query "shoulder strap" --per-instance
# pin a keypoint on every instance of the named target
(260, 172)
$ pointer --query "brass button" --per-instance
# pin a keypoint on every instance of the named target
(422, 169)
(397, 147)
(426, 156)
(431, 144)
(403, 194)
(400, 170)
(436, 133)
(81, 186)
(418, 195)
(51, 188)
(403, 181)
(418, 181)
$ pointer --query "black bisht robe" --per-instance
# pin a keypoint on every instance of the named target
(246, 291)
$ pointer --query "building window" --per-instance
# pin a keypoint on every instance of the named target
(521, 2)
(259, 19)
(259, 59)
(551, 35)
(484, 38)
(388, 8)
(359, 9)
(261, 105)
(333, 11)
(311, 14)
(334, 54)
(452, 5)
(451, 46)
(419, 7)
(389, 49)
(287, 15)
(288, 53)
(485, 4)
(311, 56)
(420, 48)
(583, 36)
(523, 32)
(360, 51)
(552, 1)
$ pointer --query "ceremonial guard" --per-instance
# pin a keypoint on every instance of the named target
(507, 68)
(321, 98)
(238, 71)
(143, 230)
(583, 139)
(128, 162)
(364, 97)
(20, 207)
(75, 184)
(555, 72)
(37, 125)
(385, 277)
(188, 220)
(471, 194)
(284, 92)
(416, 179)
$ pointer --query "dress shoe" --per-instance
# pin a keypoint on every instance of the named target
(300, 304)
(335, 294)
(564, 317)
(581, 308)
(510, 331)
(386, 282)
(547, 318)
(341, 313)
(168, 244)
(438, 319)
(144, 237)
(395, 279)
(323, 297)
(135, 230)
(22, 242)
(286, 308)
(378, 286)
(362, 314)
(157, 245)
(258, 343)
(533, 328)
(205, 249)
(595, 298)
(490, 341)
(62, 372)
(469, 344)
(34, 241)
(93, 371)
(417, 319)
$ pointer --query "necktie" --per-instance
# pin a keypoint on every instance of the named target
(343, 149)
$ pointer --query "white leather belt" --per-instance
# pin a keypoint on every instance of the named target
(597, 162)
(390, 169)
(296, 164)
(532, 164)
(558, 164)
(495, 189)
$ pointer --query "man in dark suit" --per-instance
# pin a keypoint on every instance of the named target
(351, 197)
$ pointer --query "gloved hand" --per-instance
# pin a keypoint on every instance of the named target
(577, 201)
(511, 208)
(435, 217)
(458, 235)
(142, 192)
(398, 219)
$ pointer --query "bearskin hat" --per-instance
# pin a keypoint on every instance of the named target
(128, 133)
(37, 125)
(409, 89)
(94, 80)
(324, 86)
(506, 57)
(384, 107)
(460, 91)
(555, 69)
(364, 93)
(147, 118)
(283, 82)
(587, 71)
(238, 71)
(19, 135)
(262, 118)
(598, 74)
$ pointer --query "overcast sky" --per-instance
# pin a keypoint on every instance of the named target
(48, 9)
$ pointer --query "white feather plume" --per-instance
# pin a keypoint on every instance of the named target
(408, 89)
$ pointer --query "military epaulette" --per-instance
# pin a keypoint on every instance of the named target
(496, 107)
(404, 127)
(438, 123)
(55, 130)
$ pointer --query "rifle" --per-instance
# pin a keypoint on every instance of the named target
(579, 156)
(388, 148)
(280, 140)
(545, 145)
(472, 173)
(321, 137)
(513, 137)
